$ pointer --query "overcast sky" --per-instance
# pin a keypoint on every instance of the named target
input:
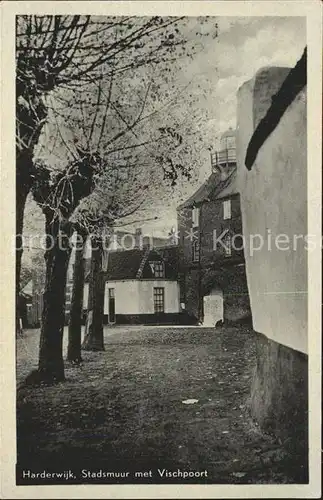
(244, 45)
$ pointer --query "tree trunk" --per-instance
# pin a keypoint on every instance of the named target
(23, 185)
(75, 321)
(51, 365)
(29, 123)
(93, 340)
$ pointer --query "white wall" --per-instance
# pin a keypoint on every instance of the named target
(126, 297)
(213, 308)
(274, 202)
(137, 297)
(146, 296)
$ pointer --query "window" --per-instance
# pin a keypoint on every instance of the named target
(195, 216)
(227, 241)
(159, 299)
(227, 209)
(158, 269)
(196, 251)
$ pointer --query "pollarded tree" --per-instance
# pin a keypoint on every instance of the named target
(58, 197)
(66, 53)
(110, 192)
(110, 204)
(115, 142)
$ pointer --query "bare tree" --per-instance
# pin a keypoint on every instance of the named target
(110, 191)
(103, 113)
(67, 53)
(58, 197)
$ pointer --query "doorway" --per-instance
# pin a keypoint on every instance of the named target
(112, 306)
(213, 308)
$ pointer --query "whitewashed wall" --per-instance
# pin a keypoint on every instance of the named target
(136, 297)
(126, 297)
(146, 296)
(274, 202)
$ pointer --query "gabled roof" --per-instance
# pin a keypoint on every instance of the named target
(230, 188)
(213, 188)
(126, 264)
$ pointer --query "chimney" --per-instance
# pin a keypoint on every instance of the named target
(138, 238)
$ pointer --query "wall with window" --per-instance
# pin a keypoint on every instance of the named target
(137, 297)
(213, 216)
(146, 296)
(199, 255)
(125, 296)
(220, 217)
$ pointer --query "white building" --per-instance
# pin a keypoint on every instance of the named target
(141, 287)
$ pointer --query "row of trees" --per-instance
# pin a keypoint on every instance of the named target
(101, 131)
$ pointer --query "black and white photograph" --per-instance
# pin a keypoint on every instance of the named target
(163, 235)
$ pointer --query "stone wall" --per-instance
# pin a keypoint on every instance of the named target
(279, 396)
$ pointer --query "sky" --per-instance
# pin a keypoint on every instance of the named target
(213, 75)
(243, 46)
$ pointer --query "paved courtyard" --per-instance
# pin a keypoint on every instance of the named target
(164, 398)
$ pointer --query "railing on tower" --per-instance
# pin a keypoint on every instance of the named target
(223, 157)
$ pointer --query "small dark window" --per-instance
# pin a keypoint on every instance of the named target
(196, 251)
(159, 299)
(228, 245)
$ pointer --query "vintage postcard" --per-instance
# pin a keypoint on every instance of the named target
(161, 248)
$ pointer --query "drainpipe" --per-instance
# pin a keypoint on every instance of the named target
(200, 298)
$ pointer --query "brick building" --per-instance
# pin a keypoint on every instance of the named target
(212, 276)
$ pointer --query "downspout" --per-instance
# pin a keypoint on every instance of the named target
(200, 298)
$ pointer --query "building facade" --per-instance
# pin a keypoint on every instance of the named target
(119, 241)
(141, 287)
(211, 261)
(272, 176)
